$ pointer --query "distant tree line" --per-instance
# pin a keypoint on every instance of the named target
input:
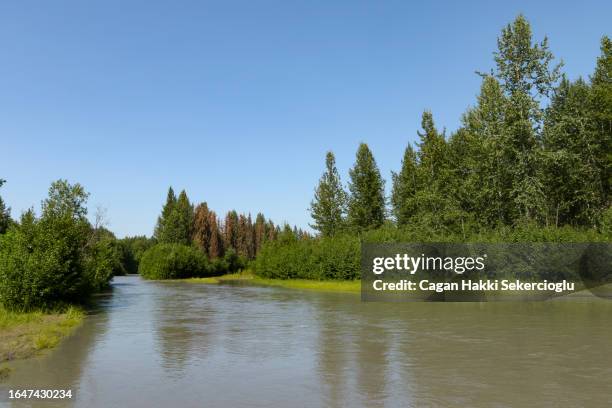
(532, 160)
(182, 223)
(189, 235)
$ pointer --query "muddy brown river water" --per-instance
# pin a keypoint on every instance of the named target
(154, 344)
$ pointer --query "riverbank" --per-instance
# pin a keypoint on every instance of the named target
(24, 335)
(353, 286)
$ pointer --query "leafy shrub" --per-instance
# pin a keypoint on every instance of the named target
(103, 260)
(338, 257)
(132, 249)
(174, 261)
(58, 258)
(328, 258)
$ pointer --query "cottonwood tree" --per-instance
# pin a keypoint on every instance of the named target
(526, 75)
(601, 114)
(574, 184)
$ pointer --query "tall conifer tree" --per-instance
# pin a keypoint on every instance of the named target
(405, 188)
(230, 232)
(366, 207)
(5, 218)
(162, 220)
(202, 231)
(215, 249)
(329, 204)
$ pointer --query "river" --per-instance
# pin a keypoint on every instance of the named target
(167, 344)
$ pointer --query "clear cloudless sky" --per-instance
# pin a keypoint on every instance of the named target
(238, 101)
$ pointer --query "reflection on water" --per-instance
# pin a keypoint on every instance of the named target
(157, 344)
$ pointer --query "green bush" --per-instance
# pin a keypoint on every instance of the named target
(103, 260)
(174, 261)
(327, 258)
(132, 249)
(56, 259)
(338, 257)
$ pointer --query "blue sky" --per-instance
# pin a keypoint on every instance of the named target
(238, 101)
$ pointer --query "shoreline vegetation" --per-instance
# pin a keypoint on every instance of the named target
(28, 334)
(247, 276)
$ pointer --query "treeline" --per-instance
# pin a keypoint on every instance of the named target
(532, 161)
(57, 258)
(193, 241)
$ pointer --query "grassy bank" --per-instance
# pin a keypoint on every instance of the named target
(351, 286)
(24, 335)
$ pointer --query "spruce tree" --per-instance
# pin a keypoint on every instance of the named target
(366, 207)
(434, 198)
(329, 204)
(244, 243)
(271, 231)
(487, 184)
(215, 249)
(405, 188)
(183, 212)
(5, 213)
(176, 222)
(202, 231)
(259, 231)
(160, 228)
(230, 232)
(432, 152)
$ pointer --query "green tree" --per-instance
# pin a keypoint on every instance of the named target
(526, 76)
(5, 213)
(405, 188)
(522, 65)
(176, 223)
(486, 185)
(51, 260)
(328, 207)
(366, 207)
(573, 157)
(259, 231)
(162, 220)
(182, 220)
(435, 200)
(601, 114)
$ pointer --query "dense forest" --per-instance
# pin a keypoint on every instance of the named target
(532, 161)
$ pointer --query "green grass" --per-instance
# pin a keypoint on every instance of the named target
(305, 284)
(25, 334)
